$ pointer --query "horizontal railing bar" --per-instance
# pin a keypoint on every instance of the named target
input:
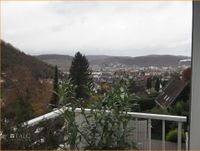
(58, 112)
(150, 116)
(159, 116)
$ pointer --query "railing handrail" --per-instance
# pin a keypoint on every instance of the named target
(159, 116)
(58, 112)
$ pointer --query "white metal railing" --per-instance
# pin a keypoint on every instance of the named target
(137, 115)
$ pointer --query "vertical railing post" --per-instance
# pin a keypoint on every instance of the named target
(136, 128)
(149, 133)
(179, 135)
(163, 134)
(186, 141)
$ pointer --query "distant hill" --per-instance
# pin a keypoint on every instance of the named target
(143, 61)
(97, 57)
(64, 61)
(151, 60)
(12, 57)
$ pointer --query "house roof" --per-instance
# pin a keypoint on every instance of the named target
(170, 92)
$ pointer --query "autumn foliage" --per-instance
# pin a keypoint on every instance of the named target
(20, 84)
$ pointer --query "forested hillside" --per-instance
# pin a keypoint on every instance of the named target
(26, 84)
(12, 57)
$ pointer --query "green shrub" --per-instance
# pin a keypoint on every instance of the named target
(146, 103)
(172, 135)
(153, 92)
(100, 129)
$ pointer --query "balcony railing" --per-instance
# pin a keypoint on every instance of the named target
(138, 118)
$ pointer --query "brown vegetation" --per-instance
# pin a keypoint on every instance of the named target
(20, 83)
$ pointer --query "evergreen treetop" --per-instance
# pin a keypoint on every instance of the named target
(54, 99)
(80, 75)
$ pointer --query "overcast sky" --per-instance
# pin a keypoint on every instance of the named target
(129, 28)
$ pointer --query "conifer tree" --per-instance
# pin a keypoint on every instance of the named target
(132, 86)
(23, 109)
(149, 86)
(80, 75)
(157, 84)
(54, 99)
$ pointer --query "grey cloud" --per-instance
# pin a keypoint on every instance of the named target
(114, 28)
